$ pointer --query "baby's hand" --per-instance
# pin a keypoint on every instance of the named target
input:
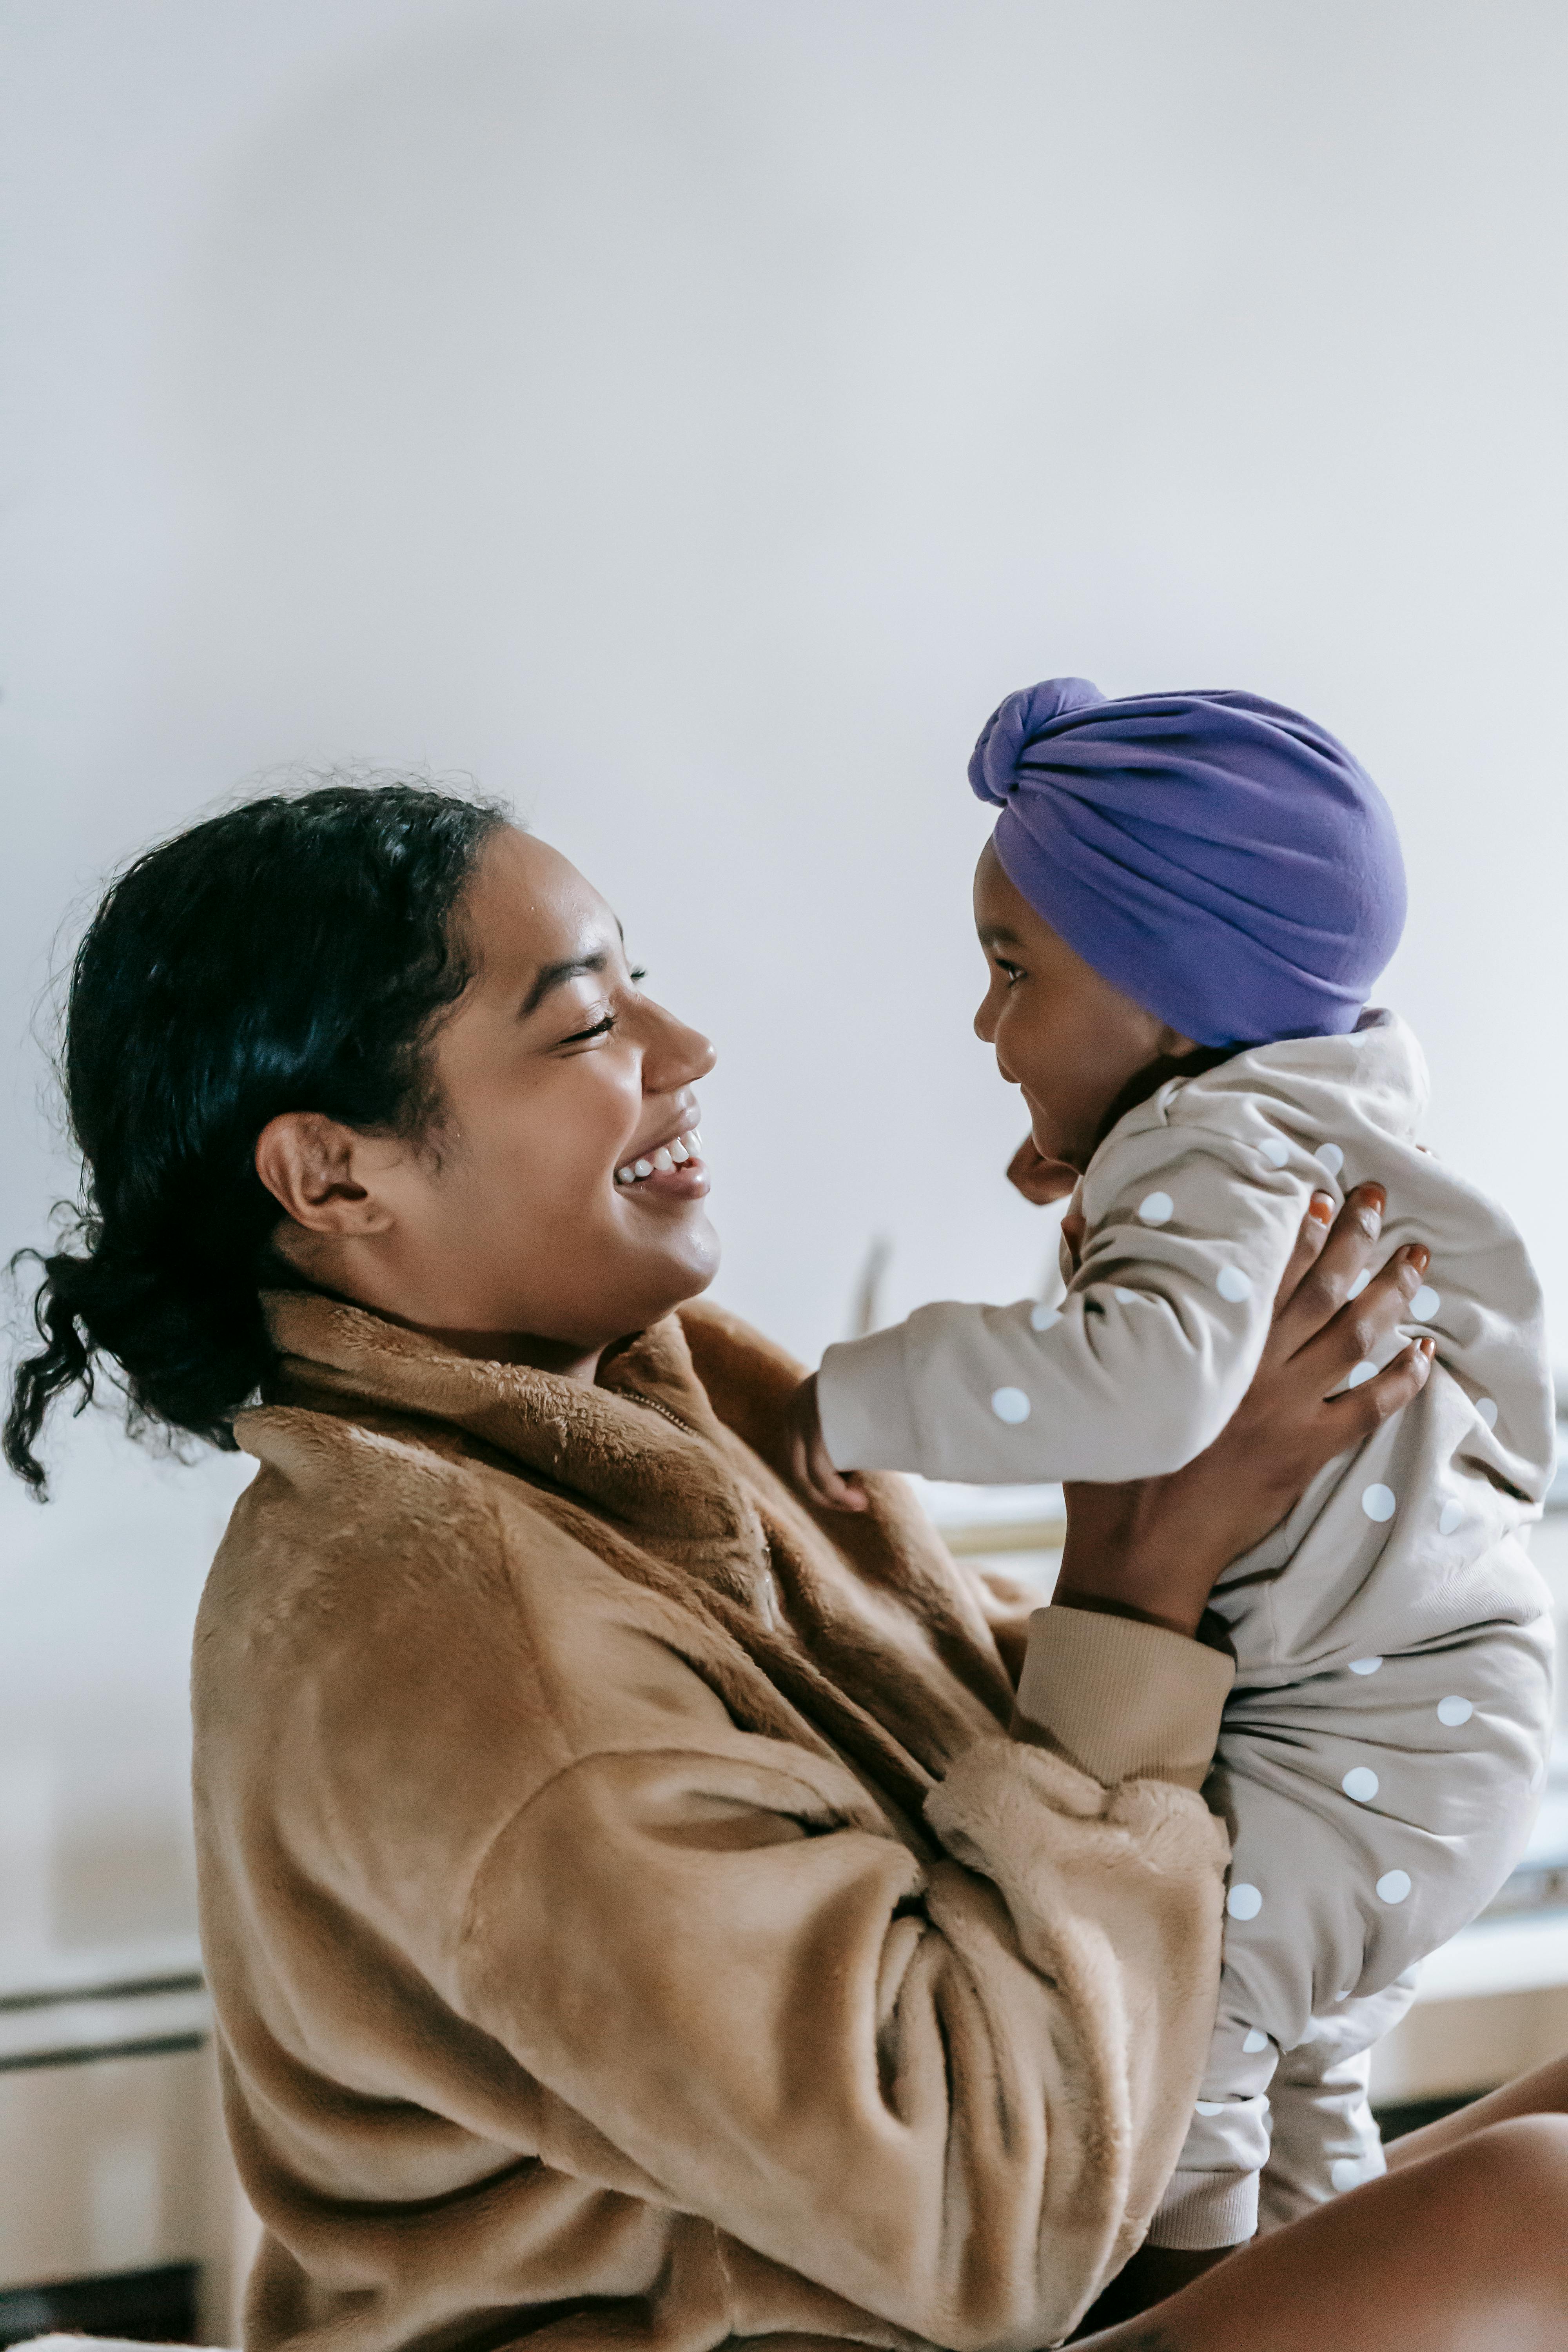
(1038, 1179)
(809, 1465)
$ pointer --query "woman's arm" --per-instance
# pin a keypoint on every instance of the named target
(941, 2077)
(949, 2088)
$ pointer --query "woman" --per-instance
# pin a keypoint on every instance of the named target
(629, 1916)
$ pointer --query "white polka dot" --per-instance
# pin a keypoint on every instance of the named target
(1394, 1886)
(1487, 1408)
(1365, 1665)
(1360, 1782)
(1425, 1305)
(1210, 2106)
(1125, 1297)
(1379, 1502)
(1454, 1711)
(1345, 2172)
(1045, 1318)
(1275, 1151)
(1360, 1372)
(1346, 1994)
(1255, 2041)
(1449, 1518)
(1156, 1208)
(1331, 1157)
(1233, 1284)
(1359, 1285)
(1244, 1902)
(1010, 1404)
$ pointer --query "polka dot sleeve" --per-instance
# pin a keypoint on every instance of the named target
(1134, 1372)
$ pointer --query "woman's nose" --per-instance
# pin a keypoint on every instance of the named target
(674, 1056)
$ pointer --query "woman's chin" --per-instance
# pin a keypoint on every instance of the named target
(664, 1249)
(666, 1213)
(685, 1254)
(703, 1251)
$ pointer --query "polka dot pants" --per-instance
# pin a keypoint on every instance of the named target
(1374, 1809)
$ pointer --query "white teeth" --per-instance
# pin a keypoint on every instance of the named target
(693, 1141)
(668, 1156)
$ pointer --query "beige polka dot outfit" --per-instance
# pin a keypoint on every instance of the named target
(1384, 1747)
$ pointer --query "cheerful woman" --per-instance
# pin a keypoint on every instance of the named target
(640, 1909)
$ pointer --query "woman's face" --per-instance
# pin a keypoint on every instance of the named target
(508, 1217)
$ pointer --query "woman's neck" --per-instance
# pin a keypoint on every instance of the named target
(569, 1360)
(565, 1358)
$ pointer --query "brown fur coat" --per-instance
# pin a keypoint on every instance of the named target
(629, 1920)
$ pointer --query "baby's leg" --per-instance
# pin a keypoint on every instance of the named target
(1372, 1813)
(1323, 2136)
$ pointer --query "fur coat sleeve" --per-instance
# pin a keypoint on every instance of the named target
(945, 2085)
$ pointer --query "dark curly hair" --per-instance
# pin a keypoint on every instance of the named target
(291, 954)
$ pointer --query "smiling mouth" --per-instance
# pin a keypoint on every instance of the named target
(680, 1152)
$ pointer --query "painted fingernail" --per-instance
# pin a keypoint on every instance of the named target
(1320, 1207)
(1419, 1256)
(1376, 1197)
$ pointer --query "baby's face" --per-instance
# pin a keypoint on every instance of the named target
(1063, 1035)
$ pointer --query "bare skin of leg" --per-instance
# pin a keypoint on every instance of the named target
(1542, 2093)
(1461, 2249)
(1155, 2273)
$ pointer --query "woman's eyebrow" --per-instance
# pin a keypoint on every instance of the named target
(552, 975)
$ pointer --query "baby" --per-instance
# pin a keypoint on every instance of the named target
(1186, 901)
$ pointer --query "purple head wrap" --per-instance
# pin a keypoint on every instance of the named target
(1219, 859)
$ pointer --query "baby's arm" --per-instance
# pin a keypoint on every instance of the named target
(1137, 1370)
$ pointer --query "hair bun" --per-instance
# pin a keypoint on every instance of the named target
(1016, 723)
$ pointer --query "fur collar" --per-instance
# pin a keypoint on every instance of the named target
(671, 1467)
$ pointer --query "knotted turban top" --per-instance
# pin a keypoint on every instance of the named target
(1220, 859)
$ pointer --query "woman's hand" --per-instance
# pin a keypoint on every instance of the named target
(810, 1466)
(1154, 1548)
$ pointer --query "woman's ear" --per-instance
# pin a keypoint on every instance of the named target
(315, 1169)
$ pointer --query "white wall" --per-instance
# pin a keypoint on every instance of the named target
(691, 415)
